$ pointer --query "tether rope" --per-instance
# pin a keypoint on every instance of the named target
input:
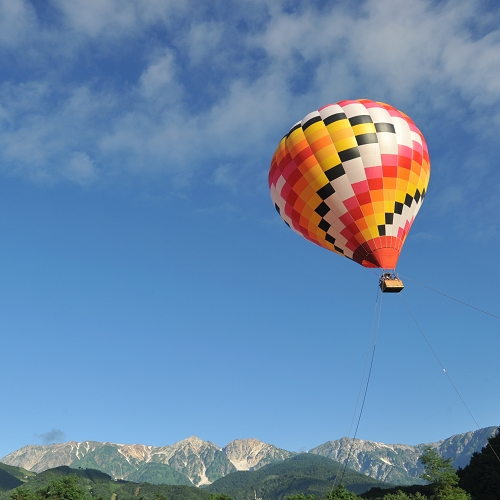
(452, 298)
(337, 475)
(377, 319)
(443, 368)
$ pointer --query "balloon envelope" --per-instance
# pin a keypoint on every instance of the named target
(351, 178)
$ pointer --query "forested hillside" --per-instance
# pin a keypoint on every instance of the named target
(90, 483)
(305, 473)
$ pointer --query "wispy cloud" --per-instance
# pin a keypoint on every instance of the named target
(179, 90)
(17, 19)
(52, 436)
(115, 18)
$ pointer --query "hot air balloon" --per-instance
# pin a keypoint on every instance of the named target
(351, 177)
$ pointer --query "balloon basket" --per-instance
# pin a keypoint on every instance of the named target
(390, 283)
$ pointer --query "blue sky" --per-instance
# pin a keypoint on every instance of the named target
(148, 289)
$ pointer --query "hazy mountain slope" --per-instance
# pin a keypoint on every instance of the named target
(461, 446)
(398, 463)
(38, 458)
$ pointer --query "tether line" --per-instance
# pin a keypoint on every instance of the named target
(444, 370)
(452, 298)
(337, 475)
(366, 387)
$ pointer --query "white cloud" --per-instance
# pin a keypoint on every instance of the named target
(202, 93)
(159, 78)
(116, 18)
(392, 46)
(17, 19)
(80, 169)
(39, 135)
(202, 41)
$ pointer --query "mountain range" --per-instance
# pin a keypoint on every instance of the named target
(302, 473)
(196, 462)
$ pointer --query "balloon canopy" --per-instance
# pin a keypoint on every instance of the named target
(351, 178)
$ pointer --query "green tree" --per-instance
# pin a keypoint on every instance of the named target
(437, 470)
(448, 492)
(340, 493)
(219, 496)
(442, 475)
(22, 493)
(158, 496)
(65, 488)
(481, 478)
(401, 495)
(297, 496)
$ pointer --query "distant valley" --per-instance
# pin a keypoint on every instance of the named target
(201, 463)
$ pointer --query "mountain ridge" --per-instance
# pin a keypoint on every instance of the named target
(198, 462)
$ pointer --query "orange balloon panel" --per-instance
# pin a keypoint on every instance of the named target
(351, 178)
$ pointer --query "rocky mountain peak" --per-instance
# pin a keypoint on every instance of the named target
(249, 454)
(193, 444)
(192, 439)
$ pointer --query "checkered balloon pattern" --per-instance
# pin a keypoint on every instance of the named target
(351, 177)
